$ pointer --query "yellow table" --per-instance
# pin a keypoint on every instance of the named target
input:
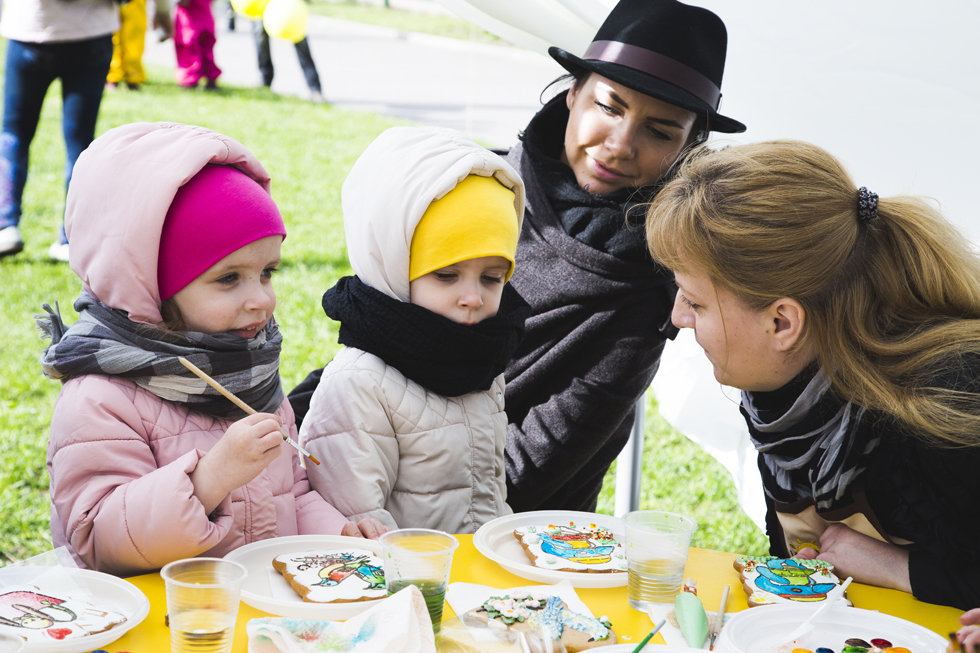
(711, 569)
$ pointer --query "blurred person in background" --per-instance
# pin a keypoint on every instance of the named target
(49, 40)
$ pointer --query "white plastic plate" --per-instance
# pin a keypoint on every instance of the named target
(117, 594)
(11, 643)
(763, 629)
(496, 541)
(257, 591)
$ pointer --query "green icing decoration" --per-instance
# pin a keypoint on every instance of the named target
(691, 618)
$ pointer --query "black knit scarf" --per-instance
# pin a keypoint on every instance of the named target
(612, 223)
(449, 359)
(813, 444)
(105, 341)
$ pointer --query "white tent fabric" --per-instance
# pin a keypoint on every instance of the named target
(889, 87)
(536, 24)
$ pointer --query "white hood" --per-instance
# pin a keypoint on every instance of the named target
(392, 184)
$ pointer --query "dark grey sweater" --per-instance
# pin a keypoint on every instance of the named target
(592, 347)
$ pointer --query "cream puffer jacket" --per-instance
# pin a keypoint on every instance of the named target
(390, 448)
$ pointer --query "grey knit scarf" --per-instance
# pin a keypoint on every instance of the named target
(105, 341)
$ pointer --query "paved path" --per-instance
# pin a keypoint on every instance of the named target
(487, 91)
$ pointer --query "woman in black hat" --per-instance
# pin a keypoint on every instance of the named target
(647, 89)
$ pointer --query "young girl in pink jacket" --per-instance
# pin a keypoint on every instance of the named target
(148, 463)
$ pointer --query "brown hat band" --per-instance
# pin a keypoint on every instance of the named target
(652, 63)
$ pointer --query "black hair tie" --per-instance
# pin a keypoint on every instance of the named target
(867, 205)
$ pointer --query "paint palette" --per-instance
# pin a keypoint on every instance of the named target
(765, 630)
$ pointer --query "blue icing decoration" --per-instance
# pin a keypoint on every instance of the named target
(554, 618)
(825, 650)
(549, 619)
(592, 627)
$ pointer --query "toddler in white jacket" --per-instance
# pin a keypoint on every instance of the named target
(408, 419)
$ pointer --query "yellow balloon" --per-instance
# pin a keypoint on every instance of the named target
(250, 8)
(286, 19)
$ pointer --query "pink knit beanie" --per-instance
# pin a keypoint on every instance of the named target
(217, 212)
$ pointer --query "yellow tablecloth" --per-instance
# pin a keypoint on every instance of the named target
(711, 569)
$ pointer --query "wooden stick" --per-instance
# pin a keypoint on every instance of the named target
(719, 617)
(238, 402)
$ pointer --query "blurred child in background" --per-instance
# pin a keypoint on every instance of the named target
(194, 41)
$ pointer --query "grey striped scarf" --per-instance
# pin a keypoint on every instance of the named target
(815, 449)
(105, 341)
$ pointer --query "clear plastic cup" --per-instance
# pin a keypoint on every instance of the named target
(420, 557)
(657, 544)
(202, 601)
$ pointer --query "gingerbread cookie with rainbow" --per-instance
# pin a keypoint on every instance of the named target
(345, 576)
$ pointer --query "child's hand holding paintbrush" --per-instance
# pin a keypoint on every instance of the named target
(246, 448)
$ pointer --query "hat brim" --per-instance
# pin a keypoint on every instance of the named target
(648, 85)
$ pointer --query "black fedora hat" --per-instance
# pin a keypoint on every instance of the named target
(665, 49)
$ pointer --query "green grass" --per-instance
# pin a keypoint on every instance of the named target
(308, 150)
(406, 21)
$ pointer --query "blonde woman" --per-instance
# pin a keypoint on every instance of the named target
(852, 326)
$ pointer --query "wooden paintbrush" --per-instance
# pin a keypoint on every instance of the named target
(238, 402)
(719, 617)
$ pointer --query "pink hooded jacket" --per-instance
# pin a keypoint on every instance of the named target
(118, 455)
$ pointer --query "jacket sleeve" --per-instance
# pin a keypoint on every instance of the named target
(575, 432)
(107, 488)
(348, 429)
(314, 516)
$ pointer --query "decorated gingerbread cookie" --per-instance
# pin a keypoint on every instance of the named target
(47, 616)
(333, 576)
(769, 580)
(546, 616)
(579, 548)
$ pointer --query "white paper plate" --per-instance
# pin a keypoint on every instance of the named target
(496, 540)
(257, 592)
(762, 629)
(120, 594)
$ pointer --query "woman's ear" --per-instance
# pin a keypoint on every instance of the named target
(788, 318)
(570, 96)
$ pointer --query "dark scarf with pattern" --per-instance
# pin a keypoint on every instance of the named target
(813, 444)
(449, 359)
(105, 341)
(612, 223)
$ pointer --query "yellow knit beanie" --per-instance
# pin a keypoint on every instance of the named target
(476, 218)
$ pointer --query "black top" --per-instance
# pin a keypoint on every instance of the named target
(594, 339)
(915, 491)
